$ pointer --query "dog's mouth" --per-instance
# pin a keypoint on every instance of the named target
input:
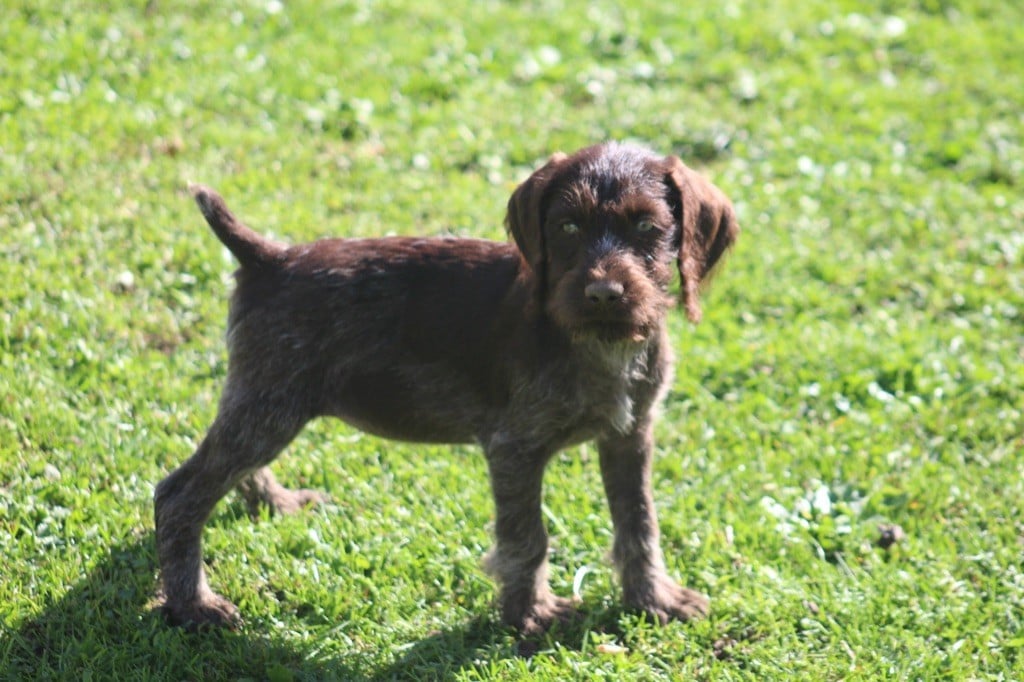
(614, 330)
(623, 322)
(611, 325)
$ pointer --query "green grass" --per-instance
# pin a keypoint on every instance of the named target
(861, 360)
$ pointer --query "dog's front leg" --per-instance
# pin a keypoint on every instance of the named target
(626, 470)
(519, 559)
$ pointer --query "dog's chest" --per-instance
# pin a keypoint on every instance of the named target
(607, 383)
(594, 394)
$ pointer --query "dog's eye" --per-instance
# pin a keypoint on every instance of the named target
(570, 228)
(645, 225)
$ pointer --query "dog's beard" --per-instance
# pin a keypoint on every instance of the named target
(628, 327)
(613, 332)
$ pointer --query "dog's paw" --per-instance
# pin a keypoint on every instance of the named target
(542, 614)
(281, 501)
(664, 600)
(211, 610)
(286, 501)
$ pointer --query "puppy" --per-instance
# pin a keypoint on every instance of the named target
(525, 348)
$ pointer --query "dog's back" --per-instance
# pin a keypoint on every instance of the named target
(397, 335)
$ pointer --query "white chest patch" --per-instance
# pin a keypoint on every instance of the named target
(615, 367)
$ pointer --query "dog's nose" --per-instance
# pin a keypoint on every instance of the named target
(603, 291)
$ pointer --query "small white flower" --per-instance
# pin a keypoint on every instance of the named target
(644, 71)
(805, 165)
(549, 56)
(802, 507)
(894, 27)
(528, 68)
(746, 86)
(822, 501)
(879, 393)
(315, 116)
(812, 390)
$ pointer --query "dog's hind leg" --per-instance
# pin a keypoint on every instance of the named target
(244, 437)
(261, 489)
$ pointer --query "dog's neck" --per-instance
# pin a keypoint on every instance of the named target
(611, 371)
(617, 358)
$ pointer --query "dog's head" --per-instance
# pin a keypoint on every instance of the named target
(601, 228)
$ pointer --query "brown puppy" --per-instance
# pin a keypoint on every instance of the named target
(524, 348)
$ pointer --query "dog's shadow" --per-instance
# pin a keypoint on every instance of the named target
(106, 625)
(444, 654)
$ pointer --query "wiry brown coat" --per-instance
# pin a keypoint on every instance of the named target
(525, 348)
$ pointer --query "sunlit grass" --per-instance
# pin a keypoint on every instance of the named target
(860, 363)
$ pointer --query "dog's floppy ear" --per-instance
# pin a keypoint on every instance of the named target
(524, 219)
(707, 227)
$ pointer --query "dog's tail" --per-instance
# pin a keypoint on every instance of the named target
(250, 248)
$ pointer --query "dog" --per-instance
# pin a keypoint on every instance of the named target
(527, 347)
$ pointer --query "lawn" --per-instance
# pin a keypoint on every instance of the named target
(860, 364)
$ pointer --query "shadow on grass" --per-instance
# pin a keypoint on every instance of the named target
(483, 641)
(105, 627)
